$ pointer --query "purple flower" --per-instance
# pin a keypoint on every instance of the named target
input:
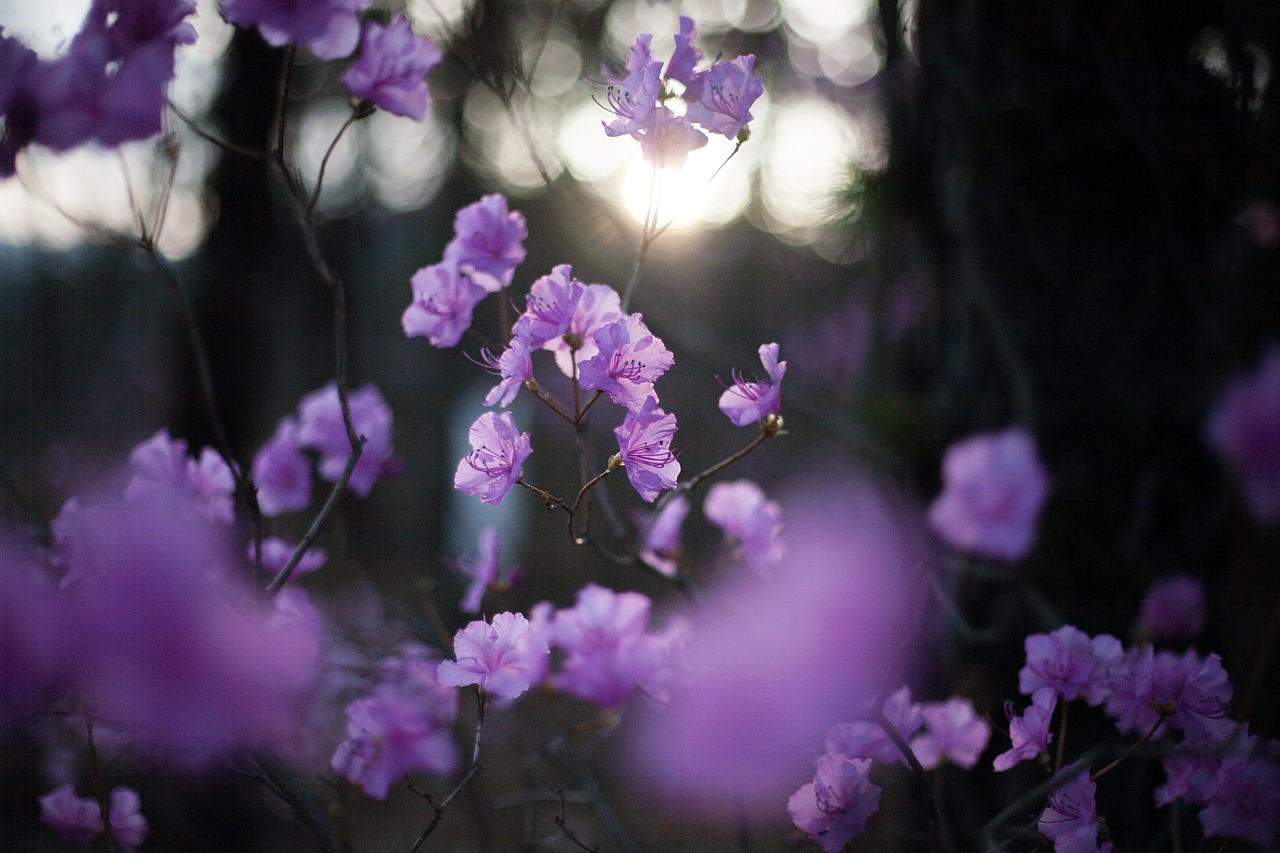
(775, 660)
(171, 645)
(993, 487)
(634, 98)
(443, 300)
(110, 85)
(1172, 609)
(515, 366)
(127, 822)
(834, 807)
(609, 653)
(747, 402)
(504, 659)
(484, 571)
(1191, 693)
(1204, 703)
(686, 56)
(1069, 663)
(866, 739)
(328, 27)
(281, 472)
(668, 139)
(276, 553)
(391, 69)
(661, 548)
(161, 467)
(629, 359)
(1192, 771)
(720, 98)
(322, 429)
(1072, 809)
(493, 466)
(644, 441)
(1244, 429)
(488, 242)
(403, 728)
(550, 306)
(598, 306)
(77, 820)
(1030, 731)
(1245, 802)
(740, 509)
(952, 732)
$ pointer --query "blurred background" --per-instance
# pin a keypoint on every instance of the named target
(951, 216)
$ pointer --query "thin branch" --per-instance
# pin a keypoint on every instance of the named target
(941, 839)
(357, 113)
(481, 698)
(321, 517)
(229, 147)
(560, 822)
(99, 791)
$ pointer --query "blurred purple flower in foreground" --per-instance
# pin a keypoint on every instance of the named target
(328, 27)
(952, 732)
(740, 509)
(1244, 429)
(391, 69)
(778, 660)
(993, 487)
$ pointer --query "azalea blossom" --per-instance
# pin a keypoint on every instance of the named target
(403, 727)
(1172, 609)
(1029, 731)
(1070, 663)
(834, 807)
(629, 359)
(503, 658)
(161, 467)
(550, 306)
(514, 366)
(322, 428)
(281, 473)
(488, 242)
(661, 548)
(443, 300)
(1072, 810)
(634, 98)
(483, 570)
(746, 402)
(391, 69)
(868, 739)
(952, 732)
(328, 27)
(493, 466)
(686, 57)
(644, 442)
(1245, 802)
(721, 97)
(993, 487)
(740, 509)
(598, 305)
(609, 652)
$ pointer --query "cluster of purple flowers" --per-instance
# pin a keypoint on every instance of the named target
(717, 98)
(109, 87)
(835, 806)
(1244, 429)
(404, 727)
(79, 820)
(1154, 694)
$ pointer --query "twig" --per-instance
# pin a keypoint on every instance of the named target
(1062, 738)
(99, 792)
(941, 840)
(358, 112)
(312, 532)
(568, 833)
(225, 145)
(481, 698)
